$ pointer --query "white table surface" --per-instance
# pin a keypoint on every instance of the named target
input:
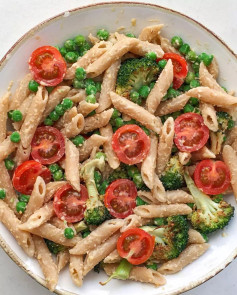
(18, 16)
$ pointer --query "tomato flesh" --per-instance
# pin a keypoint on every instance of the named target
(131, 144)
(120, 198)
(25, 176)
(47, 65)
(70, 204)
(191, 134)
(212, 177)
(48, 145)
(135, 245)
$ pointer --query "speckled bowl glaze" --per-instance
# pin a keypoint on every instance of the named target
(114, 16)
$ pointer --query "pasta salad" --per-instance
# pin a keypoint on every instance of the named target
(122, 151)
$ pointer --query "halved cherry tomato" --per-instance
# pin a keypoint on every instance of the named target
(47, 66)
(48, 145)
(177, 82)
(191, 134)
(131, 144)
(135, 245)
(25, 176)
(212, 177)
(120, 198)
(69, 204)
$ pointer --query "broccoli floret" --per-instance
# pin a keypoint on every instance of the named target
(172, 178)
(170, 239)
(208, 215)
(134, 73)
(95, 213)
(53, 247)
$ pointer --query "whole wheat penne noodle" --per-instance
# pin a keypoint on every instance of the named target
(216, 143)
(58, 223)
(99, 253)
(165, 145)
(22, 154)
(97, 121)
(93, 39)
(52, 233)
(166, 45)
(36, 199)
(66, 118)
(151, 33)
(136, 112)
(213, 68)
(149, 163)
(94, 140)
(132, 221)
(230, 159)
(21, 92)
(191, 169)
(194, 237)
(213, 96)
(178, 196)
(23, 108)
(9, 219)
(55, 97)
(39, 217)
(158, 190)
(190, 254)
(6, 148)
(108, 84)
(231, 137)
(140, 274)
(63, 259)
(113, 257)
(147, 197)
(46, 262)
(76, 95)
(203, 153)
(6, 184)
(234, 145)
(76, 269)
(4, 106)
(206, 79)
(97, 236)
(172, 105)
(153, 211)
(144, 47)
(72, 165)
(209, 115)
(93, 54)
(74, 127)
(85, 108)
(33, 116)
(160, 88)
(184, 157)
(51, 188)
(112, 159)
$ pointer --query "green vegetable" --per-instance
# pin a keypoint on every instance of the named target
(115, 114)
(137, 179)
(53, 247)
(190, 76)
(59, 109)
(102, 34)
(71, 56)
(70, 45)
(184, 49)
(15, 137)
(194, 101)
(160, 221)
(9, 114)
(147, 131)
(118, 122)
(79, 40)
(80, 226)
(135, 96)
(131, 35)
(89, 81)
(17, 116)
(97, 267)
(177, 42)
(2, 194)
(78, 140)
(91, 98)
(80, 74)
(103, 187)
(78, 84)
(162, 63)
(9, 164)
(21, 207)
(67, 103)
(48, 122)
(100, 155)
(54, 116)
(153, 265)
(144, 91)
(192, 56)
(54, 167)
(152, 85)
(68, 233)
(188, 108)
(23, 198)
(85, 234)
(97, 176)
(58, 175)
(196, 66)
(171, 93)
(140, 202)
(205, 58)
(151, 55)
(194, 84)
(208, 215)
(98, 86)
(63, 51)
(91, 89)
(33, 86)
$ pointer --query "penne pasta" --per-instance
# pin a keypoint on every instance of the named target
(51, 188)
(72, 165)
(184, 157)
(22, 154)
(151, 33)
(6, 148)
(158, 190)
(203, 153)
(132, 221)
(76, 269)
(209, 116)
(74, 127)
(97, 121)
(85, 108)
(230, 159)
(206, 79)
(194, 237)
(63, 259)
(4, 106)
(213, 68)
(144, 47)
(166, 45)
(113, 257)
(66, 118)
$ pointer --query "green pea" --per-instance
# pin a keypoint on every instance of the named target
(2, 194)
(119, 122)
(151, 55)
(97, 176)
(89, 82)
(115, 114)
(194, 83)
(91, 89)
(162, 63)
(197, 111)
(21, 207)
(197, 75)
(205, 58)
(71, 57)
(79, 40)
(135, 97)
(137, 179)
(190, 76)
(85, 234)
(49, 88)
(98, 86)
(196, 66)
(48, 122)
(24, 198)
(17, 116)
(194, 101)
(186, 88)
(96, 132)
(144, 91)
(58, 175)
(80, 74)
(57, 47)
(102, 34)
(130, 35)
(63, 51)
(152, 85)
(191, 55)
(184, 49)
(132, 170)
(103, 187)
(54, 167)
(188, 108)
(33, 86)
(68, 233)
(15, 137)
(9, 164)
(59, 109)
(67, 103)
(91, 98)
(175, 115)
(99, 155)
(176, 42)
(140, 201)
(54, 116)
(9, 114)
(78, 84)
(147, 131)
(78, 140)
(171, 93)
(91, 114)
(230, 124)
(153, 266)
(70, 45)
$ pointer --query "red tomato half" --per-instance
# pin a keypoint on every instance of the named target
(47, 66)
(131, 144)
(191, 134)
(135, 245)
(120, 198)
(69, 204)
(48, 145)
(212, 177)
(25, 176)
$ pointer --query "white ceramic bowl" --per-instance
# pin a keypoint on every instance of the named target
(113, 16)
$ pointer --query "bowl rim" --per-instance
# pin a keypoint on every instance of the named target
(26, 36)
